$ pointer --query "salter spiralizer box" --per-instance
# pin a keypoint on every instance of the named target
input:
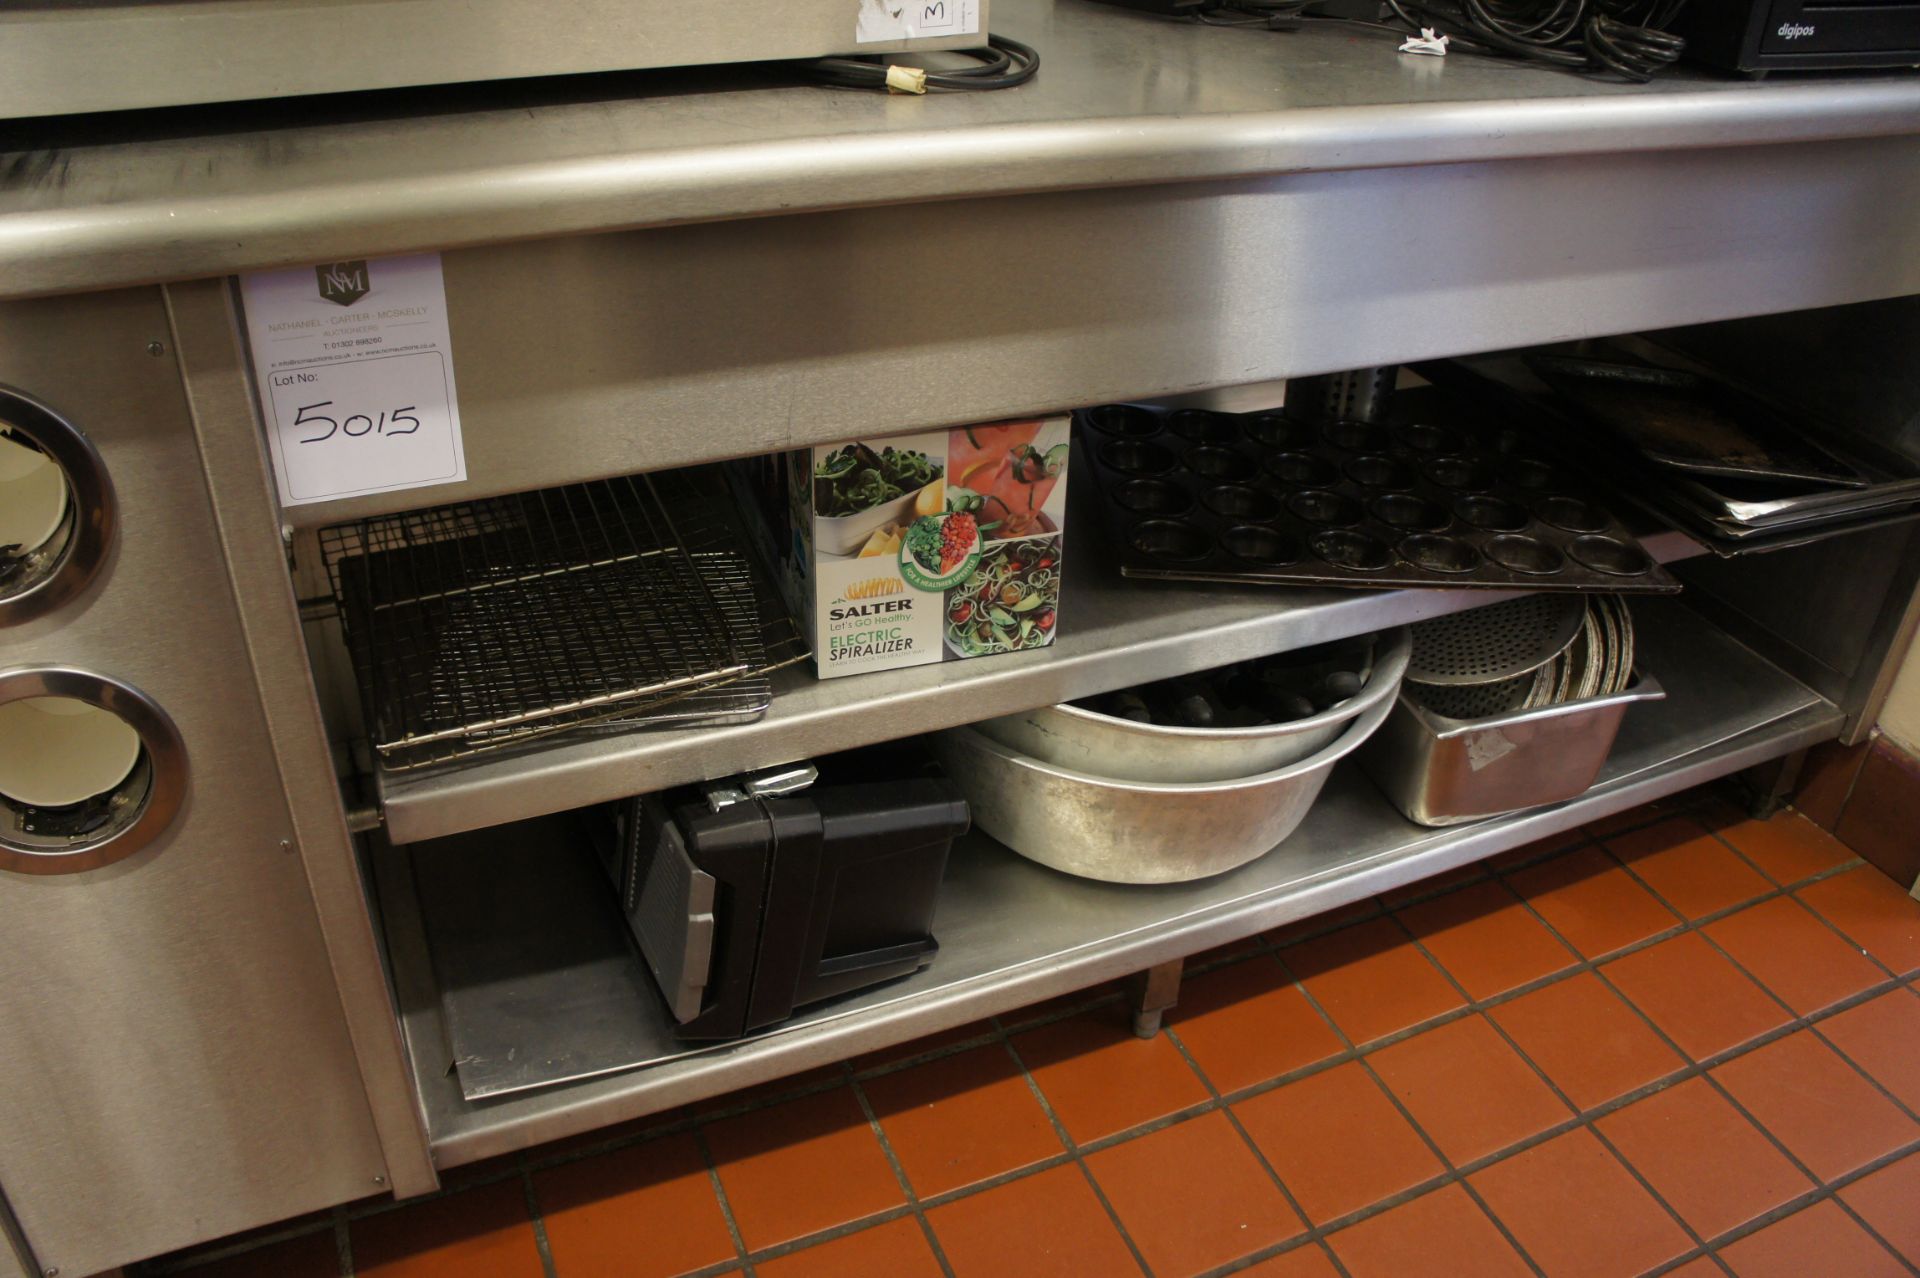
(917, 548)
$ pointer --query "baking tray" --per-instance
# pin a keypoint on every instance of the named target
(1443, 495)
(1694, 424)
(1729, 515)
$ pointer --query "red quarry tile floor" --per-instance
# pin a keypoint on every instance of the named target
(1677, 1041)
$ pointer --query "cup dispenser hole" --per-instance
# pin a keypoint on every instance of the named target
(90, 771)
(56, 509)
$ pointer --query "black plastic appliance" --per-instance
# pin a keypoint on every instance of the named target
(759, 895)
(1801, 35)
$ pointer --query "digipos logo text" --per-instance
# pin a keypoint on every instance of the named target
(1793, 30)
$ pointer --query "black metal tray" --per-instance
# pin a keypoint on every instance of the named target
(1720, 512)
(1442, 495)
(1690, 423)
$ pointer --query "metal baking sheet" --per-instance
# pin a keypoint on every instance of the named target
(1443, 495)
(1691, 423)
(1719, 506)
(1726, 526)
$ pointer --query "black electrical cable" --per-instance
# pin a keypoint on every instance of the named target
(1254, 13)
(1627, 38)
(1621, 37)
(1004, 63)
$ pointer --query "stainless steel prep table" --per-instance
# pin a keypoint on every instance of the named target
(681, 267)
(1167, 207)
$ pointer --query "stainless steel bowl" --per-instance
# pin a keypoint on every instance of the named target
(1134, 831)
(1101, 745)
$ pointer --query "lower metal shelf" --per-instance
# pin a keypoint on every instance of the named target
(1013, 932)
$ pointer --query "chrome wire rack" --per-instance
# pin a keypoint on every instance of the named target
(611, 604)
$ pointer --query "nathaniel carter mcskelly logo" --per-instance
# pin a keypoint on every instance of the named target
(342, 283)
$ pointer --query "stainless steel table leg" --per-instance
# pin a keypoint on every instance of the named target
(1153, 992)
(1771, 785)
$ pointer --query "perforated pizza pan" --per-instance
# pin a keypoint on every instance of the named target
(1495, 643)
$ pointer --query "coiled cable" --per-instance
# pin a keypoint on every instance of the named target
(1627, 38)
(1003, 64)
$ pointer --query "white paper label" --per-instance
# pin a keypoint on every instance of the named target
(915, 19)
(355, 369)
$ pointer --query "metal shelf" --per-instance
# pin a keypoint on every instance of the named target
(1013, 932)
(1117, 633)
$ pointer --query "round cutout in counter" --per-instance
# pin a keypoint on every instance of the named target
(56, 509)
(33, 495)
(56, 751)
(91, 771)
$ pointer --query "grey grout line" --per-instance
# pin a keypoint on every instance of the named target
(718, 1269)
(1658, 1198)
(1865, 953)
(1871, 1232)
(1586, 1119)
(1198, 1109)
(934, 1244)
(1703, 1068)
(1302, 1242)
(845, 1229)
(540, 1241)
(1791, 890)
(935, 1201)
(1846, 1209)
(900, 1174)
(1687, 1258)
(726, 1206)
(1589, 1118)
(1812, 1197)
(1455, 1176)
(1811, 1026)
(1795, 1023)
(1074, 1153)
(1476, 1008)
(1246, 1138)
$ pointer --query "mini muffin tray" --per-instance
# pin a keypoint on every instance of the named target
(1193, 495)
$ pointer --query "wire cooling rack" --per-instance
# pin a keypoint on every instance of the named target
(477, 626)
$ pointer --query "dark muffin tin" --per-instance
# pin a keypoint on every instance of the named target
(1437, 497)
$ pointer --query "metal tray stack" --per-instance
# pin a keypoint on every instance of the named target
(1701, 453)
(597, 606)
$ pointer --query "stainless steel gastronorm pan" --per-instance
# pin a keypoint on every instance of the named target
(1441, 771)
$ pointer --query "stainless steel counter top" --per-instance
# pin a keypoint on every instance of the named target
(1122, 99)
